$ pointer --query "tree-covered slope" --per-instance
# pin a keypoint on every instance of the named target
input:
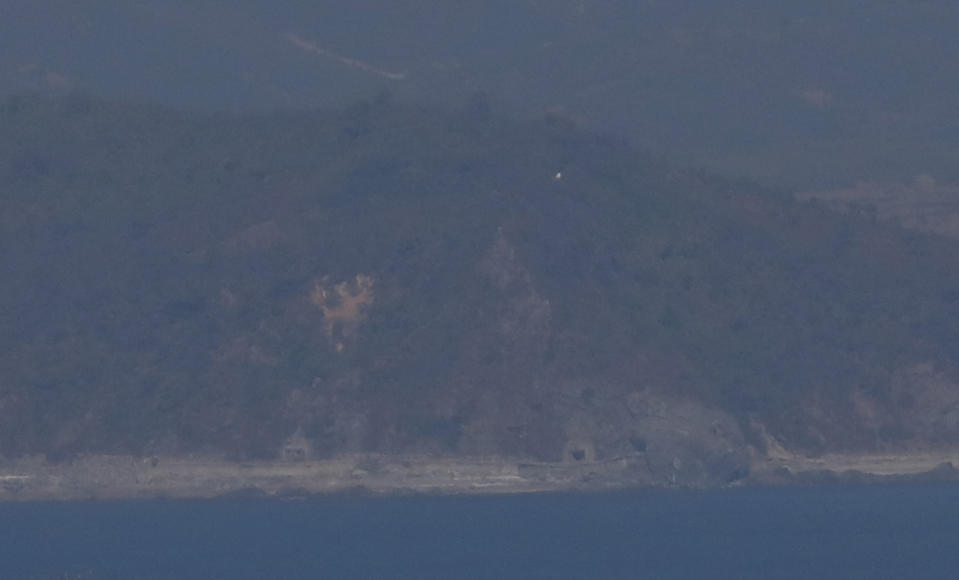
(393, 278)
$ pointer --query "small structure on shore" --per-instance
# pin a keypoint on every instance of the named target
(579, 451)
(297, 447)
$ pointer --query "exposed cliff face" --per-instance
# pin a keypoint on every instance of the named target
(392, 280)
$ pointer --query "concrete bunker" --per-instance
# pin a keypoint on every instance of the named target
(579, 451)
(297, 448)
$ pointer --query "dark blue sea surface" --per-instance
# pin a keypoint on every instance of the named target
(888, 531)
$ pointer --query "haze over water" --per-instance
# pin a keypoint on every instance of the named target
(888, 531)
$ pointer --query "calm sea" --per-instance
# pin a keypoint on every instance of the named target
(895, 531)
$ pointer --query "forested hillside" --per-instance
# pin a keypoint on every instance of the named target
(407, 279)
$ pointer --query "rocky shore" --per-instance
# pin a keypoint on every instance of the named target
(856, 468)
(102, 477)
(126, 477)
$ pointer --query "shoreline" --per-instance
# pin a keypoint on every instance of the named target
(127, 477)
(115, 477)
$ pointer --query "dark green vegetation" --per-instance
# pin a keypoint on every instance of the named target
(392, 278)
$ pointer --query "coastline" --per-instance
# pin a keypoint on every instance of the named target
(108, 477)
(838, 468)
(126, 477)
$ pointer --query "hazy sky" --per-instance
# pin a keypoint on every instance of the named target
(779, 90)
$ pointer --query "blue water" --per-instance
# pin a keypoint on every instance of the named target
(897, 532)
